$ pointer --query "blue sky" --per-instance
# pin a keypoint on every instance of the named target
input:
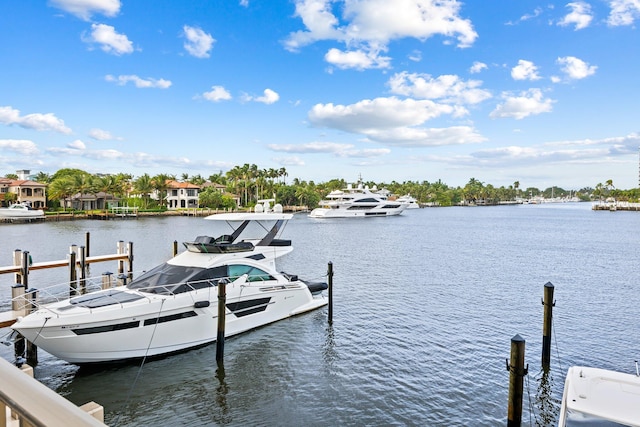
(543, 93)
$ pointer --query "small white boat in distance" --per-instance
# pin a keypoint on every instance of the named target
(20, 211)
(412, 202)
(357, 202)
(601, 397)
(174, 306)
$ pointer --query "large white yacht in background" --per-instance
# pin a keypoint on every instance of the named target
(174, 306)
(358, 201)
(412, 202)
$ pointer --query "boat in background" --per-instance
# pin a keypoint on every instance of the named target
(412, 202)
(21, 211)
(594, 396)
(174, 306)
(358, 201)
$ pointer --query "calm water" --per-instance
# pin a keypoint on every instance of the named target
(425, 306)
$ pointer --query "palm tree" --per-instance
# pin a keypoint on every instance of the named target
(144, 187)
(61, 189)
(43, 177)
(160, 183)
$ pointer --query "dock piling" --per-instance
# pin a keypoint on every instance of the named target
(330, 280)
(222, 299)
(548, 304)
(73, 273)
(82, 253)
(31, 348)
(106, 280)
(517, 372)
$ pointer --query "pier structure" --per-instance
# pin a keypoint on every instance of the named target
(77, 262)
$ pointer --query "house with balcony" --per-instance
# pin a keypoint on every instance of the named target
(182, 195)
(24, 190)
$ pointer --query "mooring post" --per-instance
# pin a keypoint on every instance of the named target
(17, 261)
(83, 269)
(73, 274)
(517, 372)
(18, 298)
(130, 259)
(330, 280)
(222, 308)
(547, 325)
(24, 268)
(86, 243)
(31, 348)
(175, 248)
(106, 280)
(120, 251)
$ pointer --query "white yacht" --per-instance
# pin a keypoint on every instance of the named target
(594, 396)
(174, 306)
(412, 202)
(21, 211)
(359, 201)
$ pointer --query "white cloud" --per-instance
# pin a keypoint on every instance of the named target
(477, 67)
(576, 68)
(244, 3)
(427, 137)
(216, 94)
(576, 151)
(139, 82)
(358, 59)
(393, 121)
(367, 27)
(101, 135)
(198, 42)
(338, 150)
(580, 15)
(84, 9)
(109, 40)
(289, 161)
(525, 70)
(36, 121)
(269, 97)
(20, 146)
(77, 145)
(623, 12)
(368, 115)
(527, 103)
(447, 88)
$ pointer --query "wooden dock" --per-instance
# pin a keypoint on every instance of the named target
(616, 206)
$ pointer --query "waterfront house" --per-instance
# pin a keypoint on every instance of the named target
(182, 195)
(24, 190)
(91, 201)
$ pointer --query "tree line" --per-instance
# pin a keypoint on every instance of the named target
(249, 183)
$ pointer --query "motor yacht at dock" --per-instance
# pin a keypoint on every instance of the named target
(22, 211)
(173, 306)
(358, 201)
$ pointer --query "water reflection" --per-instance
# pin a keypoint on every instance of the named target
(546, 404)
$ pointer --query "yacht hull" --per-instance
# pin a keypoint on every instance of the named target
(157, 325)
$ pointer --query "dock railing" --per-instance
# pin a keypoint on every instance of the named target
(24, 401)
(77, 263)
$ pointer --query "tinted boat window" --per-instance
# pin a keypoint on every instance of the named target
(172, 279)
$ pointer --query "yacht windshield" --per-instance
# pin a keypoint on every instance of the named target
(167, 279)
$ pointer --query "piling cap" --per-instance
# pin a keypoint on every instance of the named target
(517, 338)
(548, 285)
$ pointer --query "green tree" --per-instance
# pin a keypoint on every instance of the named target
(144, 187)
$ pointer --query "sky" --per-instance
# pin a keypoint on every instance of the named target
(501, 91)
